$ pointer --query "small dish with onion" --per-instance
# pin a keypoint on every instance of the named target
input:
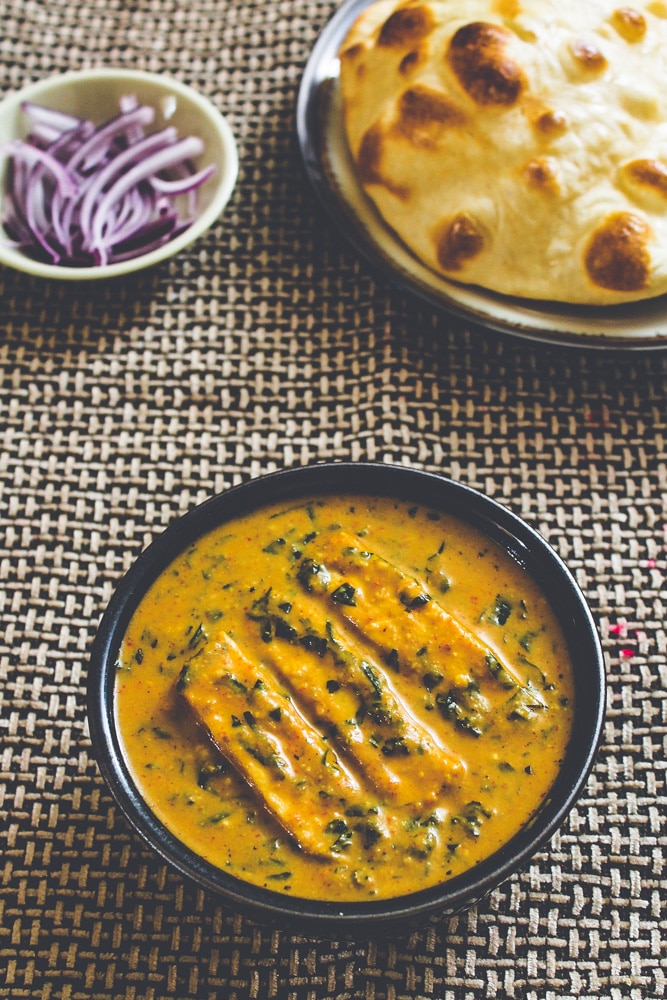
(108, 171)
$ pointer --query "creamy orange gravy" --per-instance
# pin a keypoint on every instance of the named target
(391, 693)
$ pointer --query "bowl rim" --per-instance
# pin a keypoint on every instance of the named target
(225, 179)
(519, 539)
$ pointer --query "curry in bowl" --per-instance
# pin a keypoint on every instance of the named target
(344, 698)
(349, 697)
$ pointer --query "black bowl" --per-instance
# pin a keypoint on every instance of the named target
(404, 913)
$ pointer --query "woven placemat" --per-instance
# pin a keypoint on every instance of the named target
(270, 344)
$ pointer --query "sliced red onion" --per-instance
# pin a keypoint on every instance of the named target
(182, 185)
(131, 213)
(60, 121)
(41, 164)
(32, 156)
(108, 173)
(142, 171)
(129, 103)
(155, 234)
(180, 172)
(48, 125)
(62, 149)
(96, 148)
(79, 195)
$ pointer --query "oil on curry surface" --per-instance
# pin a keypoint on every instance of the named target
(344, 698)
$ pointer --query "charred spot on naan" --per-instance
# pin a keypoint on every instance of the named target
(424, 115)
(353, 52)
(410, 62)
(541, 175)
(354, 63)
(369, 156)
(370, 161)
(629, 23)
(458, 240)
(645, 181)
(589, 59)
(549, 123)
(478, 57)
(617, 256)
(406, 26)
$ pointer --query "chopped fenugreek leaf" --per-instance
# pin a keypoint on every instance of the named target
(344, 595)
(274, 547)
(500, 611)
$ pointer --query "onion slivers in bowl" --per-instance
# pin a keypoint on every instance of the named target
(81, 195)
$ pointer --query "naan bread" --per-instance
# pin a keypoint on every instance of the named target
(519, 146)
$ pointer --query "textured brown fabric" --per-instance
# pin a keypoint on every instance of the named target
(270, 344)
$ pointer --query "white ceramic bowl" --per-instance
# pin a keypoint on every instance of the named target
(95, 94)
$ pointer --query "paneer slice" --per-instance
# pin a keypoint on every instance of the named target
(394, 612)
(287, 761)
(352, 700)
